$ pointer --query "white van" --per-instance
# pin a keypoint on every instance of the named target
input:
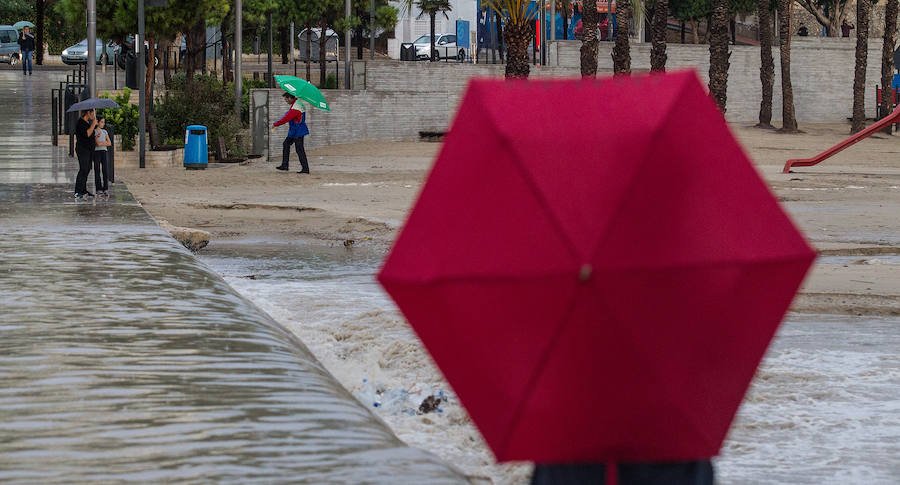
(9, 45)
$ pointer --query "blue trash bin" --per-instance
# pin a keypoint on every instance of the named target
(196, 152)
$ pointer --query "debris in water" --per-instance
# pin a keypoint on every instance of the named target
(430, 404)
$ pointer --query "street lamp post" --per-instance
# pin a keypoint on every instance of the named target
(347, 46)
(92, 49)
(142, 66)
(238, 77)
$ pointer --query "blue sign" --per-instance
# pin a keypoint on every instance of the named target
(462, 33)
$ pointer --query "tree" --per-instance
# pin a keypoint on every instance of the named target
(835, 11)
(887, 53)
(767, 63)
(718, 53)
(432, 8)
(589, 39)
(621, 53)
(789, 122)
(518, 17)
(863, 10)
(658, 36)
(39, 10)
(691, 11)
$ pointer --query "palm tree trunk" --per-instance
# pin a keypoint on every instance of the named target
(863, 9)
(887, 55)
(517, 38)
(789, 122)
(718, 53)
(660, 24)
(621, 53)
(284, 38)
(150, 75)
(589, 39)
(695, 34)
(767, 63)
(432, 15)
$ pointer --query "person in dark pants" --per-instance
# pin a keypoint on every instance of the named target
(84, 150)
(101, 167)
(681, 473)
(26, 47)
(296, 119)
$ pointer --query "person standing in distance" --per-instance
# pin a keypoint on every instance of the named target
(84, 149)
(26, 47)
(296, 119)
(101, 166)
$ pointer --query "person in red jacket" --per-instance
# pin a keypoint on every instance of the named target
(296, 120)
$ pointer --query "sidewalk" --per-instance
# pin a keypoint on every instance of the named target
(125, 359)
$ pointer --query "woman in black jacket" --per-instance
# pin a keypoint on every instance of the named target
(84, 149)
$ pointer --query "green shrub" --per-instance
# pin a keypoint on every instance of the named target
(124, 119)
(330, 82)
(209, 103)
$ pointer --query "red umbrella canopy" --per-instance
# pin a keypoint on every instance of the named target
(597, 280)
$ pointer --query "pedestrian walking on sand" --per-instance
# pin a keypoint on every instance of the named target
(101, 166)
(26, 47)
(84, 149)
(296, 119)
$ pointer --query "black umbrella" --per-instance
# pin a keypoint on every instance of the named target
(92, 103)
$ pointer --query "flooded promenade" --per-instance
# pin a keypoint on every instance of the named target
(125, 359)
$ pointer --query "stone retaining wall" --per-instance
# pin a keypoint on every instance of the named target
(395, 100)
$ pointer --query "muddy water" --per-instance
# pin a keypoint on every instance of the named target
(823, 409)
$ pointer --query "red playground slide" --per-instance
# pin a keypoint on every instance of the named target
(894, 117)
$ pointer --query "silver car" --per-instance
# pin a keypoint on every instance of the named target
(444, 47)
(77, 54)
(9, 45)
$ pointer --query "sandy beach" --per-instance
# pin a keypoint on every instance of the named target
(848, 208)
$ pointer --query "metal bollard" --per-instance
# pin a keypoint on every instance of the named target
(53, 127)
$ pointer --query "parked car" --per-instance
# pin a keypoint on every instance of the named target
(77, 54)
(9, 45)
(126, 49)
(444, 47)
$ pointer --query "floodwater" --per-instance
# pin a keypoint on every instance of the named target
(823, 409)
(125, 359)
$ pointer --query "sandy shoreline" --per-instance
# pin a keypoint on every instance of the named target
(847, 206)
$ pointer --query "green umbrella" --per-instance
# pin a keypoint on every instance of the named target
(302, 89)
(21, 24)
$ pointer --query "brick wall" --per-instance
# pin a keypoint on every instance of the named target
(395, 100)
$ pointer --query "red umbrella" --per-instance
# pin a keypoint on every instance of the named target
(596, 267)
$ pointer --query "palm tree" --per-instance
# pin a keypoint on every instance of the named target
(432, 8)
(621, 53)
(767, 63)
(658, 36)
(718, 52)
(589, 46)
(887, 54)
(517, 33)
(789, 122)
(863, 9)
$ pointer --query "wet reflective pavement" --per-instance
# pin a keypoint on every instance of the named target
(125, 359)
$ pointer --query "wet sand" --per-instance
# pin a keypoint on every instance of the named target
(848, 206)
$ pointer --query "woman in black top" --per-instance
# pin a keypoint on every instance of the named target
(84, 149)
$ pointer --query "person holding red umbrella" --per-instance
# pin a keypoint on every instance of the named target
(616, 343)
(682, 473)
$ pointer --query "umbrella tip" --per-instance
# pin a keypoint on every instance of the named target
(585, 272)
